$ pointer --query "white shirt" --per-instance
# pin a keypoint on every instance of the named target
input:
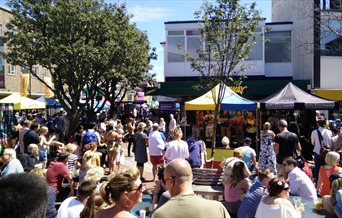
(70, 208)
(301, 184)
(156, 144)
(326, 134)
(176, 149)
(279, 210)
(172, 124)
(162, 126)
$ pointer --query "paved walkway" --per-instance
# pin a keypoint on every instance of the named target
(149, 184)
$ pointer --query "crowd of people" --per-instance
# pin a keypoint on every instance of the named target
(84, 173)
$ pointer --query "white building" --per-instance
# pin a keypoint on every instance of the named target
(313, 50)
(272, 58)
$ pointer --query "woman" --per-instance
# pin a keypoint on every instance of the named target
(275, 204)
(110, 137)
(177, 148)
(333, 203)
(332, 161)
(130, 127)
(140, 148)
(267, 157)
(162, 125)
(86, 165)
(235, 188)
(237, 126)
(251, 128)
(44, 144)
(122, 192)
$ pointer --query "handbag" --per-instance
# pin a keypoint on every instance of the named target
(324, 148)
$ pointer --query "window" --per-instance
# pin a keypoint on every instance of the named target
(35, 71)
(175, 46)
(0, 29)
(278, 47)
(11, 69)
(24, 70)
(331, 39)
(256, 51)
(45, 72)
(193, 44)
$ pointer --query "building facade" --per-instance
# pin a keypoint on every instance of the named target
(10, 75)
(272, 60)
(317, 28)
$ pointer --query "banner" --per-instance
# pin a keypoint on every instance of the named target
(24, 84)
(48, 92)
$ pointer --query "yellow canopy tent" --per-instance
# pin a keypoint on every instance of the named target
(22, 103)
(204, 102)
(230, 101)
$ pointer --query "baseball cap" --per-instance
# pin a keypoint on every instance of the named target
(247, 140)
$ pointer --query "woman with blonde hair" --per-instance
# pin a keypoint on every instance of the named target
(86, 165)
(332, 161)
(267, 157)
(177, 148)
(44, 144)
(92, 146)
(122, 191)
(162, 125)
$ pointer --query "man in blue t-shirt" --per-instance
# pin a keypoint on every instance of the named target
(249, 155)
(254, 194)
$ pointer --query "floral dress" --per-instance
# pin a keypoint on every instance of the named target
(267, 157)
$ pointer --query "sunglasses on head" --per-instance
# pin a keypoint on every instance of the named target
(140, 187)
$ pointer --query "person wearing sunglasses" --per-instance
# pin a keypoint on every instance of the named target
(122, 192)
(276, 203)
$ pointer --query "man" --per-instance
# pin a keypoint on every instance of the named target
(11, 163)
(73, 206)
(56, 173)
(172, 125)
(184, 202)
(23, 195)
(156, 146)
(300, 184)
(286, 144)
(30, 159)
(249, 155)
(31, 136)
(25, 129)
(254, 194)
(317, 143)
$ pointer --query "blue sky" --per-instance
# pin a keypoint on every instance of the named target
(150, 15)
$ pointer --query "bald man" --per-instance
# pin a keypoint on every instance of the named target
(184, 202)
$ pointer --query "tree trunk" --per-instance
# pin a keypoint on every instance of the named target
(213, 140)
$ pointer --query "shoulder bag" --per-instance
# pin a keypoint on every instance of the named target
(324, 148)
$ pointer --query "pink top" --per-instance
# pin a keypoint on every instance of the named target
(232, 194)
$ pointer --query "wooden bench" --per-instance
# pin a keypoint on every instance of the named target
(208, 182)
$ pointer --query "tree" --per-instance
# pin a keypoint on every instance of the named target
(227, 33)
(81, 42)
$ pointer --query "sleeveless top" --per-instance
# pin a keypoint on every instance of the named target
(325, 179)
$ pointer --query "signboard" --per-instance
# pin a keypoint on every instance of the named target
(167, 106)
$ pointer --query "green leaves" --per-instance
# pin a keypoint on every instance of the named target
(81, 42)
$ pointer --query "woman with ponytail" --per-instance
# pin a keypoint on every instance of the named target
(122, 191)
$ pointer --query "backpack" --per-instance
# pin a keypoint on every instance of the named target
(89, 137)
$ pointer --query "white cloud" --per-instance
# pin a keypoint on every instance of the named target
(149, 14)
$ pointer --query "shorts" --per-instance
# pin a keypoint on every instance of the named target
(157, 160)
